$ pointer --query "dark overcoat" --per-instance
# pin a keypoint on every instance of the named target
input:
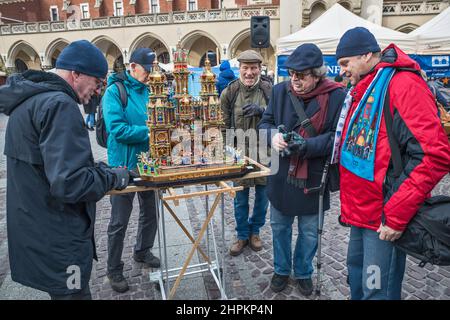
(52, 184)
(285, 197)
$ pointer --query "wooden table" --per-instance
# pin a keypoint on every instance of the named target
(166, 202)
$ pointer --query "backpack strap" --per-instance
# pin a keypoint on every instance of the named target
(395, 148)
(303, 120)
(123, 93)
(266, 87)
(232, 90)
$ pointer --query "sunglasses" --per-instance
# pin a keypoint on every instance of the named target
(300, 75)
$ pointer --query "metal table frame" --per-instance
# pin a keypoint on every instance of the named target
(213, 266)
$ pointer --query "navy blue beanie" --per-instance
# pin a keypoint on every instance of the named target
(82, 56)
(307, 56)
(356, 41)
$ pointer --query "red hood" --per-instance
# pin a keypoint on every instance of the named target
(403, 60)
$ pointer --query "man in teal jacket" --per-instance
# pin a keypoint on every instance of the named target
(127, 137)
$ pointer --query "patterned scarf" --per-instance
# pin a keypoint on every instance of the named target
(340, 126)
(359, 146)
(298, 167)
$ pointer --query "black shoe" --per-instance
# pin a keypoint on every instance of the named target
(278, 282)
(305, 286)
(118, 282)
(147, 258)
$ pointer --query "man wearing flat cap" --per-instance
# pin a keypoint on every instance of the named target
(243, 102)
(127, 137)
(308, 107)
(52, 180)
(378, 199)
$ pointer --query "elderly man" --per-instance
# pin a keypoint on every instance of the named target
(308, 104)
(381, 205)
(243, 102)
(128, 137)
(53, 183)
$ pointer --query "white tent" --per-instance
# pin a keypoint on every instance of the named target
(433, 37)
(326, 31)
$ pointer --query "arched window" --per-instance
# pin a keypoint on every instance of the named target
(407, 28)
(20, 65)
(119, 65)
(212, 58)
(346, 5)
(164, 58)
(316, 11)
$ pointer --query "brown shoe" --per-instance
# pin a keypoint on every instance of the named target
(255, 242)
(237, 247)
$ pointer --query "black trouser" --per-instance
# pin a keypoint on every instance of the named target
(84, 294)
(121, 207)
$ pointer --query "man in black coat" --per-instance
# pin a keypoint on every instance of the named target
(90, 109)
(52, 180)
(301, 161)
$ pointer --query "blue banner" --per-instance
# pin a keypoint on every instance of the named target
(435, 66)
(194, 78)
(330, 62)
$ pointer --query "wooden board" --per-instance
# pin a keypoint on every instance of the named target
(255, 170)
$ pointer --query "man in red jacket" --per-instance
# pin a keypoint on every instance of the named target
(377, 205)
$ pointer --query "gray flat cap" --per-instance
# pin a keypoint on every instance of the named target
(250, 56)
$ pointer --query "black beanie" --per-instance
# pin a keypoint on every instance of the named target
(356, 41)
(82, 56)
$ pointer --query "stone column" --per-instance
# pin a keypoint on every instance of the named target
(291, 12)
(372, 10)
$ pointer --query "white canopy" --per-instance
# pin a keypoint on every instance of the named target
(433, 37)
(326, 31)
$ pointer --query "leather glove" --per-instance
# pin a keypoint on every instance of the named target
(297, 145)
(133, 175)
(122, 178)
(251, 110)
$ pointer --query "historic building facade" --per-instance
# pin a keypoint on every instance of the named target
(33, 32)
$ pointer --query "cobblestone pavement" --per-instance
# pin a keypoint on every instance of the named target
(248, 275)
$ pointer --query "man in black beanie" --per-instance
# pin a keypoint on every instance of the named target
(52, 180)
(376, 200)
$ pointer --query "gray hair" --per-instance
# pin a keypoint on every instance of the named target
(319, 72)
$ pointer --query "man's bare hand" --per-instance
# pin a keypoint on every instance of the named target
(278, 142)
(388, 234)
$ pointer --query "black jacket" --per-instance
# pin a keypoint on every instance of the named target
(52, 184)
(289, 199)
(91, 107)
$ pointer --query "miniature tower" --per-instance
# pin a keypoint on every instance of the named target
(161, 117)
(211, 110)
(180, 70)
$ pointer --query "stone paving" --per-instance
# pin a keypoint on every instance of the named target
(247, 276)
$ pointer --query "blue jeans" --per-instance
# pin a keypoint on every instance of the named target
(375, 267)
(305, 247)
(245, 225)
(90, 120)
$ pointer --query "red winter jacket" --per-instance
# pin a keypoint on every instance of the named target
(424, 148)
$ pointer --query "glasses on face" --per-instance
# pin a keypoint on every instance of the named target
(300, 75)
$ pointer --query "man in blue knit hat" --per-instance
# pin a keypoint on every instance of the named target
(379, 195)
(52, 180)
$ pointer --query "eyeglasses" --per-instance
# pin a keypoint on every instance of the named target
(298, 74)
(99, 83)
